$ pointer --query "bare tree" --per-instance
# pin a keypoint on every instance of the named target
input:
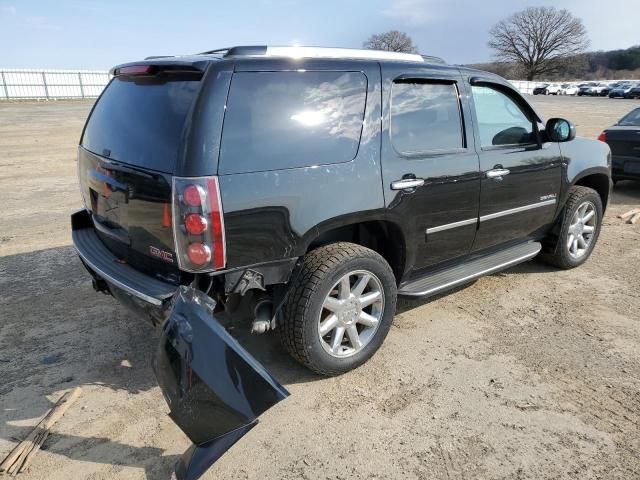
(538, 39)
(391, 41)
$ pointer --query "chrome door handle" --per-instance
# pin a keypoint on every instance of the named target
(407, 183)
(498, 173)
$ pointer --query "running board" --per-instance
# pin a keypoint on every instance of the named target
(436, 282)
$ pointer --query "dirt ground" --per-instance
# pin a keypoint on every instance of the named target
(532, 373)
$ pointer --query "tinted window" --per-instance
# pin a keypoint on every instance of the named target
(141, 122)
(631, 119)
(501, 121)
(425, 117)
(278, 120)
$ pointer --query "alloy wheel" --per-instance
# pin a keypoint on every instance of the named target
(351, 313)
(582, 230)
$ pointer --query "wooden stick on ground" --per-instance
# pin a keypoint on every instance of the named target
(19, 458)
(629, 214)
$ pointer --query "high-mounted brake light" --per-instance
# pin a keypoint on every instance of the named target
(198, 224)
(603, 137)
(136, 70)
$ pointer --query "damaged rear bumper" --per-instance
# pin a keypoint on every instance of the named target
(214, 388)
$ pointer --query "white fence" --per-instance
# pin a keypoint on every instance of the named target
(54, 84)
(51, 84)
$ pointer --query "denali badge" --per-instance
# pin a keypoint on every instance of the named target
(156, 252)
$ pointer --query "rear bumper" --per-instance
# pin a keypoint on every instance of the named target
(124, 282)
(624, 167)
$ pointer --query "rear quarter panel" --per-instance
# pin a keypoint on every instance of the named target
(272, 215)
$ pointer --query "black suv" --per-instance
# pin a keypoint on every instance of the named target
(312, 186)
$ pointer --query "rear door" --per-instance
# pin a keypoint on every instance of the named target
(429, 164)
(214, 388)
(127, 155)
(521, 177)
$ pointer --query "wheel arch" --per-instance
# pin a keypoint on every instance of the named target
(600, 182)
(380, 235)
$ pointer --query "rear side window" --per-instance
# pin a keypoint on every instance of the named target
(140, 121)
(277, 120)
(425, 117)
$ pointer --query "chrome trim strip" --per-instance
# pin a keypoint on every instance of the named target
(524, 208)
(482, 273)
(449, 226)
(126, 288)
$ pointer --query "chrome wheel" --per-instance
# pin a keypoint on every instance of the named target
(351, 313)
(582, 230)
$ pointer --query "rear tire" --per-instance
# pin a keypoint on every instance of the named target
(579, 229)
(332, 325)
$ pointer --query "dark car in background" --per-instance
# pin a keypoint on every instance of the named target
(621, 90)
(609, 88)
(624, 140)
(634, 92)
(541, 89)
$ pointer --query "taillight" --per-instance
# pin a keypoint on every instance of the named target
(603, 137)
(198, 224)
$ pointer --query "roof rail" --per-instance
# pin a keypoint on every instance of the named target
(320, 52)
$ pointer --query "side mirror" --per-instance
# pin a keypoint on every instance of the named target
(560, 130)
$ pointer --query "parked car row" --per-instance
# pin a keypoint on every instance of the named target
(621, 89)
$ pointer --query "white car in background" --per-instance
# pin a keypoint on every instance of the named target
(553, 89)
(596, 90)
(568, 89)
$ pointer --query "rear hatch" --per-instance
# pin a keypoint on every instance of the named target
(127, 156)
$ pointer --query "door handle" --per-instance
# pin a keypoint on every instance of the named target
(407, 184)
(497, 173)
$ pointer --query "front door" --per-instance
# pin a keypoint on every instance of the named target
(521, 176)
(429, 165)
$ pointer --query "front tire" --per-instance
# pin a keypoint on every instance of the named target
(340, 308)
(579, 229)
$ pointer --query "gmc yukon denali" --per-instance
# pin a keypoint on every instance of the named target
(312, 187)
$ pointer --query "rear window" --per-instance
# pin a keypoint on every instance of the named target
(141, 121)
(277, 120)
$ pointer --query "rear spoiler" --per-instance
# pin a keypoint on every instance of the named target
(152, 66)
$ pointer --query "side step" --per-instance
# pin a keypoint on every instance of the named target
(436, 282)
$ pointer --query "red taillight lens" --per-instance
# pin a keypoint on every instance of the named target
(195, 224)
(198, 224)
(193, 195)
(603, 137)
(198, 253)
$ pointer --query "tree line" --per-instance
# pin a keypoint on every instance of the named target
(538, 43)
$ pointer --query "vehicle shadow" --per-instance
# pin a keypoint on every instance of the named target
(56, 333)
(626, 192)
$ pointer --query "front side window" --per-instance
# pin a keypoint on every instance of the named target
(425, 117)
(277, 120)
(501, 121)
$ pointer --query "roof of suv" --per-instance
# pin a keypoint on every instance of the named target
(288, 52)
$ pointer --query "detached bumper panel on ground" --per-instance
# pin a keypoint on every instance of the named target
(215, 389)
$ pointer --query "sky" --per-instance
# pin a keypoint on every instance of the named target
(91, 34)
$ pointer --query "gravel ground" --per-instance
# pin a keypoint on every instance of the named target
(532, 373)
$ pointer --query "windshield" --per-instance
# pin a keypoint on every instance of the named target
(140, 121)
(631, 119)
